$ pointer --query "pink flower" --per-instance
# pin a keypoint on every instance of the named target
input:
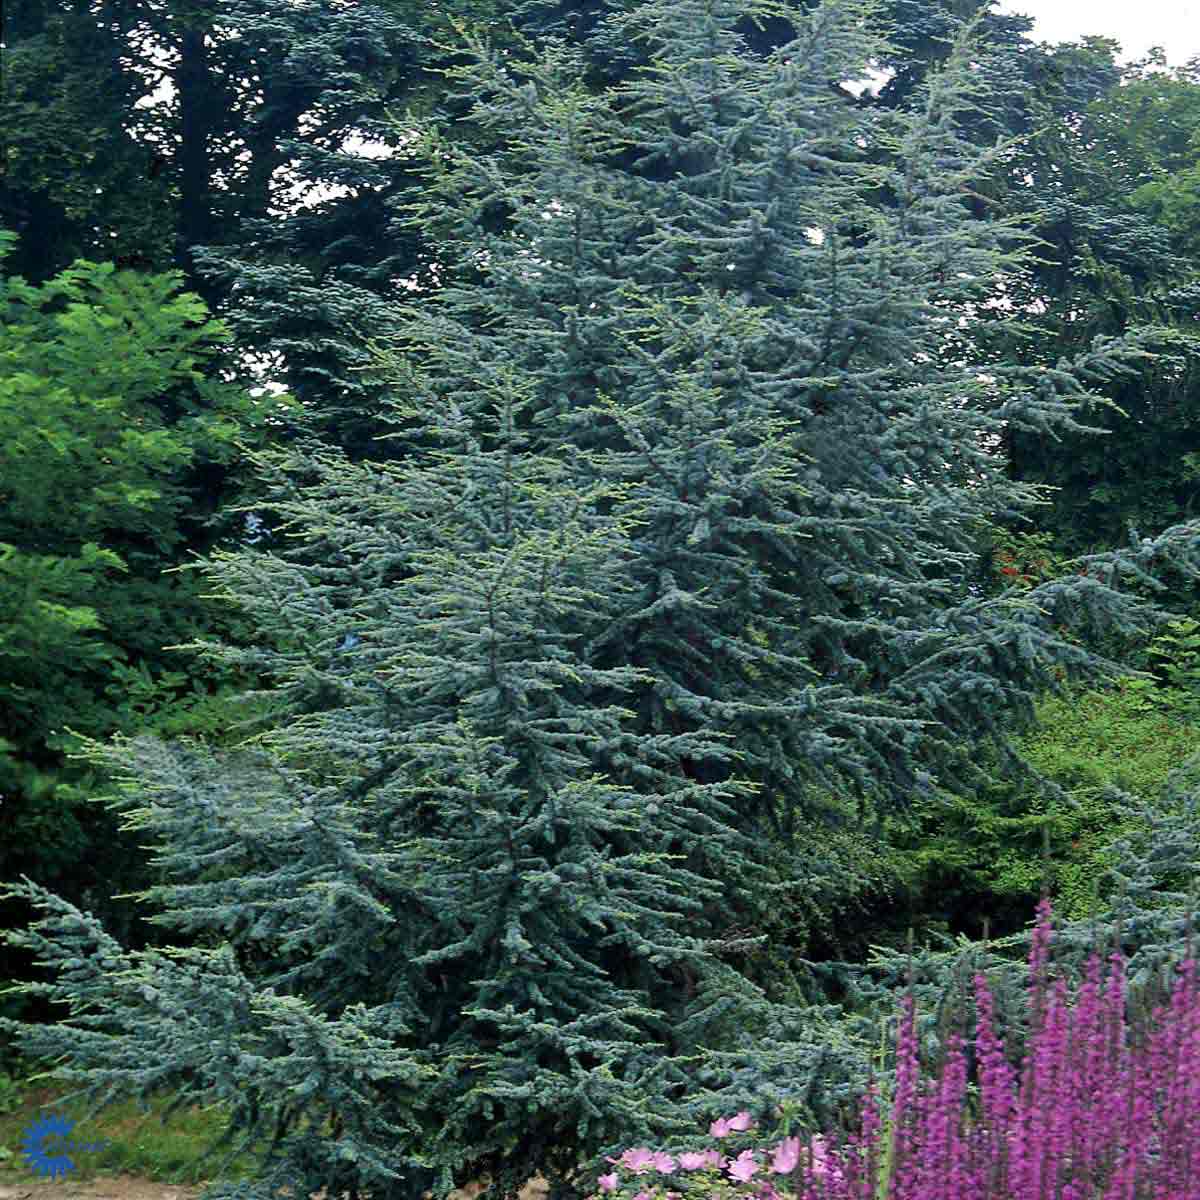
(723, 1125)
(787, 1155)
(643, 1196)
(608, 1183)
(638, 1159)
(692, 1160)
(664, 1164)
(714, 1158)
(743, 1167)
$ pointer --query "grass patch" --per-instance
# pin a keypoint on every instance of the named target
(140, 1144)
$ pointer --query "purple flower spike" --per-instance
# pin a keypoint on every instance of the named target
(1105, 1103)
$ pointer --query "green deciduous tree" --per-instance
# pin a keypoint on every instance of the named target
(682, 544)
(115, 453)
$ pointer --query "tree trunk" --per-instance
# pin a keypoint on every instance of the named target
(195, 87)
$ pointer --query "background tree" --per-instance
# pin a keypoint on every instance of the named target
(78, 180)
(1116, 190)
(190, 105)
(319, 265)
(145, 130)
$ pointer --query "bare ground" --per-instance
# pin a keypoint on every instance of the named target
(133, 1187)
(113, 1187)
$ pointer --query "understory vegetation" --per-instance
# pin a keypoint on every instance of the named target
(577, 572)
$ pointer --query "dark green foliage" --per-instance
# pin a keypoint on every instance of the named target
(963, 861)
(260, 88)
(921, 36)
(1116, 191)
(78, 180)
(970, 860)
(301, 249)
(313, 261)
(679, 566)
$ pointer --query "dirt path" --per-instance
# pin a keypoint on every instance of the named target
(102, 1187)
(133, 1187)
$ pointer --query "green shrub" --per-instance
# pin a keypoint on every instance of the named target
(965, 859)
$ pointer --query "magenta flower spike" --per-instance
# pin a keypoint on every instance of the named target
(1105, 1106)
(996, 1077)
(1089, 1070)
(1039, 949)
(905, 1115)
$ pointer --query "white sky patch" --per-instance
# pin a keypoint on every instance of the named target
(1172, 24)
(873, 82)
(292, 192)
